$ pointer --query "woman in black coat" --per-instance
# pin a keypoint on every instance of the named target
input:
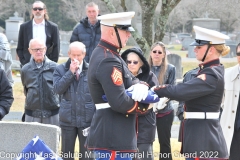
(146, 123)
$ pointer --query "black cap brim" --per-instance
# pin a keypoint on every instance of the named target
(126, 28)
(198, 42)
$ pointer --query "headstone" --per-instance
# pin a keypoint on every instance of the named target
(13, 26)
(64, 42)
(209, 23)
(176, 60)
(16, 65)
(14, 136)
(186, 42)
(13, 116)
(191, 53)
(232, 45)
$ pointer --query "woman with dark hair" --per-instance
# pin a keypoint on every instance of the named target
(165, 114)
(146, 123)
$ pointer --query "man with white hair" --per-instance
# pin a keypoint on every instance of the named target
(76, 107)
(113, 129)
(41, 104)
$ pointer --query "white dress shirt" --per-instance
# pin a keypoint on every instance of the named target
(39, 31)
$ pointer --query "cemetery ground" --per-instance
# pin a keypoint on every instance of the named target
(187, 63)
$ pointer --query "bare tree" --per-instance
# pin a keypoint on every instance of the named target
(166, 8)
(148, 8)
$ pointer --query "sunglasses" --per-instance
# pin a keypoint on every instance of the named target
(159, 52)
(134, 62)
(238, 53)
(38, 8)
(38, 49)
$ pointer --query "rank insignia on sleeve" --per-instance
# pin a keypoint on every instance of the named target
(117, 76)
(202, 76)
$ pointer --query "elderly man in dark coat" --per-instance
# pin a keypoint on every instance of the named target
(42, 103)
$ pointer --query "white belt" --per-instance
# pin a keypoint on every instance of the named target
(201, 115)
(102, 106)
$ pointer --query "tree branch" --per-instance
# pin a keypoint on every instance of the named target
(110, 6)
(123, 4)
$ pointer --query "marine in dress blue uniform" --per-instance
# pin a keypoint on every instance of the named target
(113, 128)
(202, 133)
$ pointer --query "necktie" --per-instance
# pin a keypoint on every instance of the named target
(77, 75)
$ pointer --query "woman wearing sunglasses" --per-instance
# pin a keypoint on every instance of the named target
(165, 114)
(146, 125)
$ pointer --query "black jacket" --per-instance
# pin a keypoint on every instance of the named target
(112, 128)
(87, 35)
(76, 107)
(38, 86)
(6, 94)
(187, 77)
(26, 34)
(169, 78)
(146, 122)
(201, 94)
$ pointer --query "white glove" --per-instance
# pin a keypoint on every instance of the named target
(152, 89)
(162, 103)
(139, 91)
(86, 131)
(155, 107)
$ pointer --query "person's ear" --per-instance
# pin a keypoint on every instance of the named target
(30, 51)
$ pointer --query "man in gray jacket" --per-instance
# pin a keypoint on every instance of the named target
(42, 103)
(6, 57)
(76, 107)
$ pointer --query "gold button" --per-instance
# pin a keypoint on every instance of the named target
(126, 115)
(229, 127)
(143, 109)
(139, 108)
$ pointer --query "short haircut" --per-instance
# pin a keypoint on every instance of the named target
(78, 44)
(91, 4)
(34, 40)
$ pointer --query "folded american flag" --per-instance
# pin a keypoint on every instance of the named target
(37, 150)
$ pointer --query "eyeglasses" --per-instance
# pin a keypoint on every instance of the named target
(134, 62)
(238, 53)
(38, 8)
(159, 52)
(38, 49)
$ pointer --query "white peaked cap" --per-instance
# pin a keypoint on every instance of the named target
(212, 36)
(121, 20)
